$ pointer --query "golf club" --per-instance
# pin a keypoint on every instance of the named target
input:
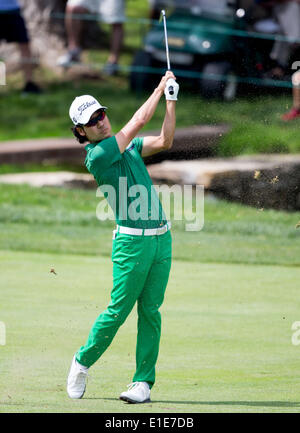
(163, 13)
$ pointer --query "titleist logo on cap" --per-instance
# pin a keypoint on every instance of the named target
(84, 106)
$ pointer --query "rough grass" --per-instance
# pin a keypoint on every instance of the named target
(255, 123)
(61, 220)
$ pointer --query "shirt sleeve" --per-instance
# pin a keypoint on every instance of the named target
(103, 155)
(138, 144)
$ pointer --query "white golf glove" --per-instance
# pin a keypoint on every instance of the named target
(171, 90)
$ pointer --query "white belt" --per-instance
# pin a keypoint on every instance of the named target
(140, 232)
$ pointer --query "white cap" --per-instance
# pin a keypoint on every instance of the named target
(82, 108)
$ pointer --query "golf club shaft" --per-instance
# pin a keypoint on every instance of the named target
(170, 88)
(166, 39)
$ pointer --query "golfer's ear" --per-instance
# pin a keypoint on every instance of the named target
(80, 130)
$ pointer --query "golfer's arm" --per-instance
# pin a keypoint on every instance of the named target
(164, 141)
(139, 119)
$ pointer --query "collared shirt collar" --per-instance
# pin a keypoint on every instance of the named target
(89, 146)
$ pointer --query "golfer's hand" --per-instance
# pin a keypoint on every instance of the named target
(171, 90)
(163, 81)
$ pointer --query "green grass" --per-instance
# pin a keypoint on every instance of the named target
(232, 295)
(44, 166)
(64, 221)
(227, 317)
(47, 115)
(226, 342)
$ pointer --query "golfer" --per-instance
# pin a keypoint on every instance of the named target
(141, 251)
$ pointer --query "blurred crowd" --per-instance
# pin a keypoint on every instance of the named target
(280, 17)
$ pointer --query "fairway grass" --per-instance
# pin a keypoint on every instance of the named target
(226, 342)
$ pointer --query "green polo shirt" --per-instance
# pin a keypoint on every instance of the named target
(125, 182)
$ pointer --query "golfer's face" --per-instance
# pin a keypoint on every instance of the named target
(99, 131)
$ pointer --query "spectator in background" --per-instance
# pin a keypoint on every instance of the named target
(111, 12)
(287, 14)
(13, 29)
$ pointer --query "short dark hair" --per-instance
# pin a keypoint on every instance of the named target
(79, 137)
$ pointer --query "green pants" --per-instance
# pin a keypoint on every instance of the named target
(141, 267)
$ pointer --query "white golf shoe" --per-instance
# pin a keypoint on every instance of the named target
(138, 392)
(77, 379)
